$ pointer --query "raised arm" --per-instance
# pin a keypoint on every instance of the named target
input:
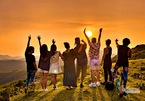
(62, 57)
(116, 41)
(28, 43)
(100, 32)
(85, 44)
(86, 36)
(39, 38)
(104, 55)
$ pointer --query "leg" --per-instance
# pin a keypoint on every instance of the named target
(105, 74)
(77, 73)
(28, 78)
(42, 79)
(125, 75)
(115, 70)
(110, 74)
(98, 75)
(45, 80)
(32, 78)
(93, 76)
(84, 69)
(53, 79)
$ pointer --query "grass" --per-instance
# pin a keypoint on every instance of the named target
(86, 93)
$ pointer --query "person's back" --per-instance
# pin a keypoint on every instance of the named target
(107, 58)
(81, 56)
(123, 55)
(30, 59)
(94, 50)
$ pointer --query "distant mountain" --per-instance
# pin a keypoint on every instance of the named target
(11, 76)
(7, 57)
(138, 52)
(10, 65)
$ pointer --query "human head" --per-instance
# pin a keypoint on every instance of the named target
(30, 49)
(77, 40)
(93, 40)
(66, 45)
(53, 46)
(126, 41)
(108, 42)
(43, 50)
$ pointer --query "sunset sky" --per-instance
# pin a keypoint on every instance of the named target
(64, 20)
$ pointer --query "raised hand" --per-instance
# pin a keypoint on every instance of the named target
(116, 40)
(83, 41)
(101, 30)
(85, 31)
(53, 41)
(29, 37)
(39, 37)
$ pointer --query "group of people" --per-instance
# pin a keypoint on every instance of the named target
(49, 62)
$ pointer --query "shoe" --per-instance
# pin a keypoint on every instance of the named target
(98, 83)
(74, 86)
(121, 95)
(124, 93)
(114, 76)
(54, 88)
(92, 85)
(81, 85)
(103, 83)
(45, 89)
(68, 88)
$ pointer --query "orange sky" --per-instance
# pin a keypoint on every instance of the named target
(63, 20)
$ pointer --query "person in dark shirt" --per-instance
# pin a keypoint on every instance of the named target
(31, 63)
(106, 61)
(124, 52)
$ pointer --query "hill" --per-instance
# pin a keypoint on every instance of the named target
(10, 65)
(83, 94)
(11, 76)
(138, 52)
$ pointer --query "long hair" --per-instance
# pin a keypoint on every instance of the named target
(43, 50)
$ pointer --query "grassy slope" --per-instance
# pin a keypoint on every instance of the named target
(86, 93)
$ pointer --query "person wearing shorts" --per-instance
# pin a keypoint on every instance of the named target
(124, 52)
(44, 64)
(94, 58)
(81, 56)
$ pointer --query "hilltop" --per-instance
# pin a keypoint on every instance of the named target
(16, 91)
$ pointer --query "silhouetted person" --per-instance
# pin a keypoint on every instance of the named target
(31, 63)
(94, 58)
(106, 61)
(81, 59)
(54, 63)
(124, 52)
(69, 78)
(44, 64)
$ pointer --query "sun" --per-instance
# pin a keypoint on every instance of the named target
(89, 33)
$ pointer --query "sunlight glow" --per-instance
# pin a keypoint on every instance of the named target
(89, 33)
